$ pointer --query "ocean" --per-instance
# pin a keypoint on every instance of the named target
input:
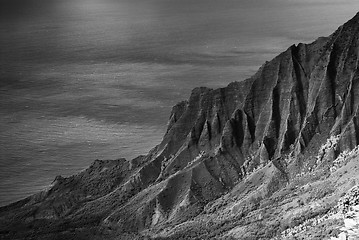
(96, 79)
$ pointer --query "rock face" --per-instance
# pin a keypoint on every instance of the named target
(270, 125)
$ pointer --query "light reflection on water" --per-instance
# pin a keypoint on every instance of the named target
(88, 79)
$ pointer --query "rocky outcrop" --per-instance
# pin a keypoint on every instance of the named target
(218, 139)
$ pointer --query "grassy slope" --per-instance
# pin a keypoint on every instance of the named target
(306, 208)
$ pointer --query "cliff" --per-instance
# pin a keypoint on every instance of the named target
(227, 154)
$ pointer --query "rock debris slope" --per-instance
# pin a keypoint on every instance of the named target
(230, 160)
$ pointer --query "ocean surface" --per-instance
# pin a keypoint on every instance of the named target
(96, 79)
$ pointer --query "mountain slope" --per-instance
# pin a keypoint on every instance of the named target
(228, 155)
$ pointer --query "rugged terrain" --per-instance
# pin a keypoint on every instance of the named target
(271, 157)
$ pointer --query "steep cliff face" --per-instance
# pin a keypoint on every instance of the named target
(215, 143)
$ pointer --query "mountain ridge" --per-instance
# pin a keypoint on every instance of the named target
(248, 140)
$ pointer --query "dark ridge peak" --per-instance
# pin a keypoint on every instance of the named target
(355, 19)
(199, 90)
(348, 28)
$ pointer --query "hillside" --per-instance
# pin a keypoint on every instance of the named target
(266, 158)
